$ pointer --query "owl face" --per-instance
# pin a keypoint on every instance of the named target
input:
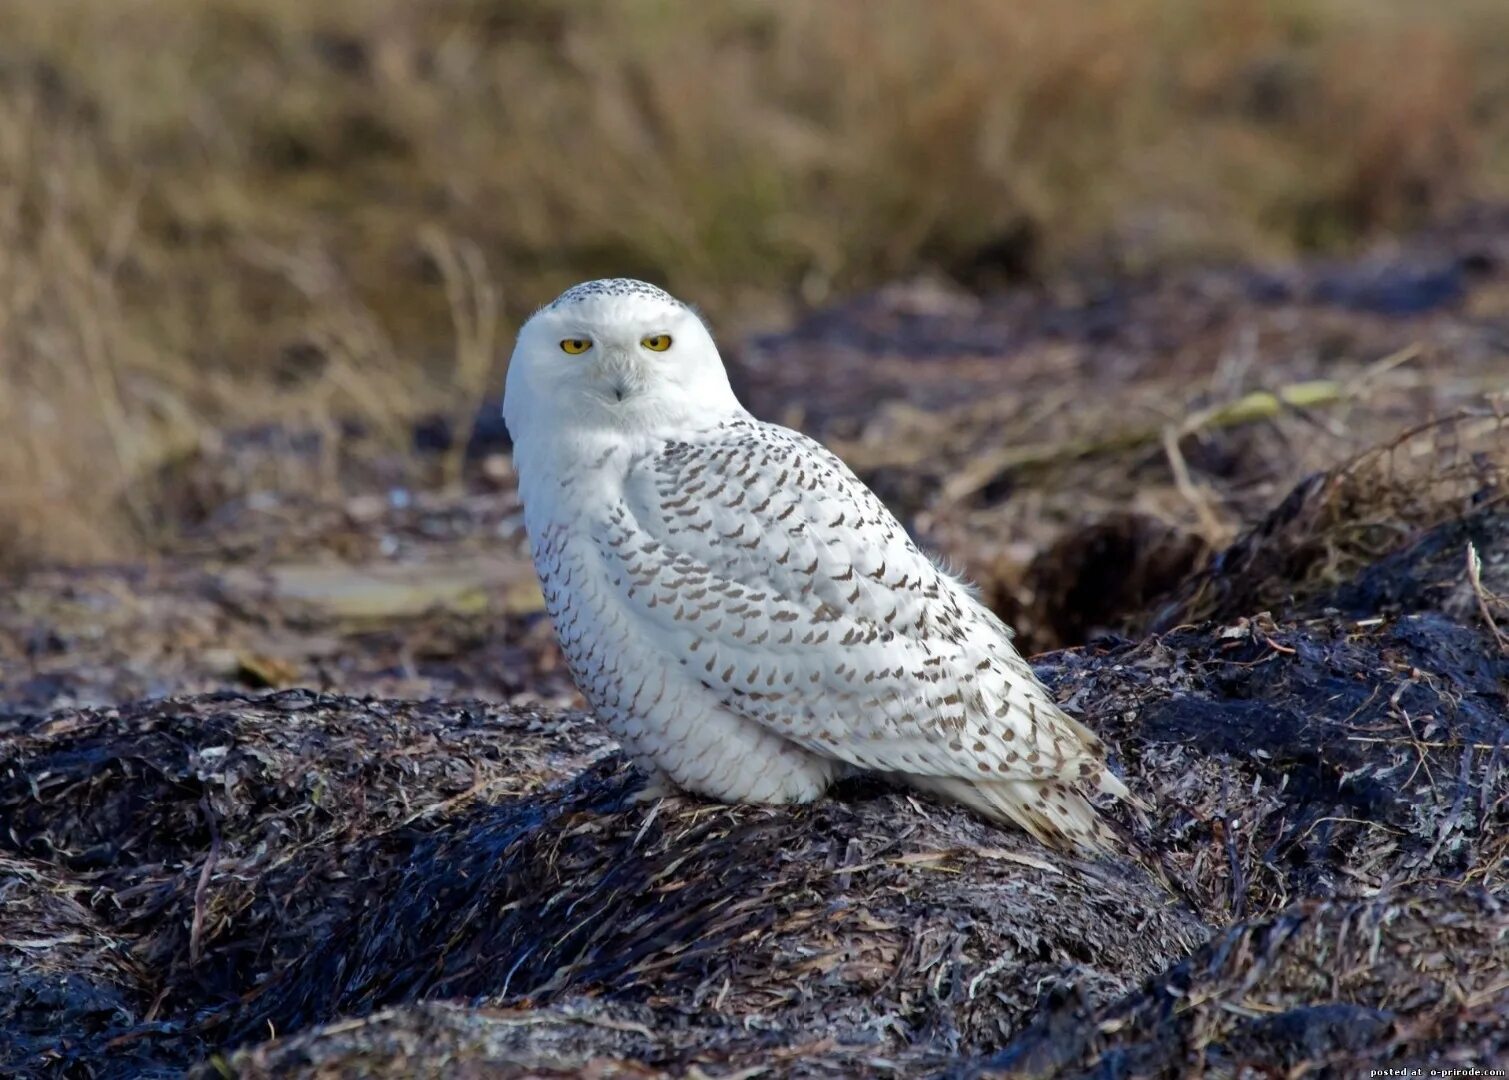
(616, 356)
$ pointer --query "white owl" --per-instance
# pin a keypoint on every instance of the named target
(740, 609)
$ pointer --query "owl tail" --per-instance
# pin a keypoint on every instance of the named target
(1058, 816)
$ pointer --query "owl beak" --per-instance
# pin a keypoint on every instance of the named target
(617, 374)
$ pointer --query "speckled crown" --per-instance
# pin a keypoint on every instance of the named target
(613, 287)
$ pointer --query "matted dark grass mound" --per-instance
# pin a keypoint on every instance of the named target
(1359, 535)
(209, 869)
(1325, 756)
(1310, 758)
(1371, 719)
(113, 790)
(442, 1039)
(1323, 988)
(898, 929)
(65, 979)
(895, 929)
(172, 832)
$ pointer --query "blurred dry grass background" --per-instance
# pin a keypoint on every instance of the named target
(219, 212)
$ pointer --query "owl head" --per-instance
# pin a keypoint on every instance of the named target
(614, 356)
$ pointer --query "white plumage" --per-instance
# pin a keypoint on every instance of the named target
(740, 609)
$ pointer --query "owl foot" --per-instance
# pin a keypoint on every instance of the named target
(658, 786)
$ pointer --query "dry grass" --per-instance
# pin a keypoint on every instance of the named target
(1335, 523)
(216, 211)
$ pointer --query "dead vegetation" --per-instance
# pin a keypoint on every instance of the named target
(1259, 514)
(1336, 522)
(228, 212)
(1080, 460)
(344, 874)
(315, 884)
(1399, 979)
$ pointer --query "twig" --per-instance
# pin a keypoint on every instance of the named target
(478, 786)
(201, 890)
(1258, 405)
(1475, 578)
(1379, 368)
(1238, 881)
(1265, 404)
(1209, 523)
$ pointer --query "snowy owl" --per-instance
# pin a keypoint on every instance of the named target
(740, 609)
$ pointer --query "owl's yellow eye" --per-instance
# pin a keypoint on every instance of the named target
(657, 342)
(575, 345)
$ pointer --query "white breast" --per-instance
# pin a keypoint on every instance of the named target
(634, 679)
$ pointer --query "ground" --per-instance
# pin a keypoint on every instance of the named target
(312, 794)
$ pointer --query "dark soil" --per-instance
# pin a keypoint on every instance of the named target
(1291, 625)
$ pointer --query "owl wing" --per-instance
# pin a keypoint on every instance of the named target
(783, 584)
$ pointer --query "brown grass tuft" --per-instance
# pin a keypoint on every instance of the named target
(216, 212)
